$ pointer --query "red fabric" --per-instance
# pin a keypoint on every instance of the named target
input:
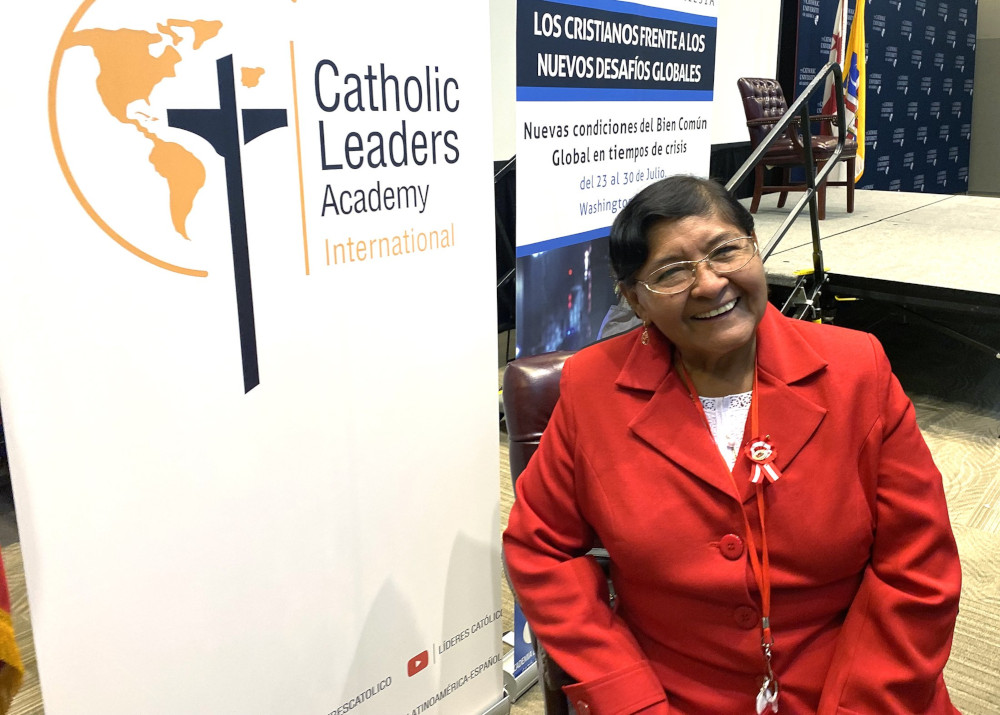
(11, 666)
(4, 592)
(865, 572)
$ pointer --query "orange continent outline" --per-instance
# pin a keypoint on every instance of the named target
(61, 157)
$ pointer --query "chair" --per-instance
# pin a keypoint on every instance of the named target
(530, 392)
(763, 103)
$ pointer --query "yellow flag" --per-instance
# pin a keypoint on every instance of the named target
(854, 84)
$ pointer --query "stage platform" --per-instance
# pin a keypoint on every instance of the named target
(915, 250)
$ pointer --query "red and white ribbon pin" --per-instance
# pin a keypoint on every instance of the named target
(762, 454)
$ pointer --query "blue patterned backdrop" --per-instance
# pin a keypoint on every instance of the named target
(921, 59)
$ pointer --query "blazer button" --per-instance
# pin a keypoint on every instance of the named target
(582, 707)
(731, 546)
(746, 617)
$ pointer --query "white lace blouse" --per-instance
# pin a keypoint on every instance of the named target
(727, 416)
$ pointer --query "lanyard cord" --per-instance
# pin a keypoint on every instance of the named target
(761, 566)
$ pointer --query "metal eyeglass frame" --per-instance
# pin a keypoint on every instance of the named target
(693, 265)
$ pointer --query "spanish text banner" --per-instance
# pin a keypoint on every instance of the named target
(611, 96)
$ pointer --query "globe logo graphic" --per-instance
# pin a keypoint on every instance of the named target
(121, 72)
(149, 112)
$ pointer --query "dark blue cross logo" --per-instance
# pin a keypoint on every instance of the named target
(221, 129)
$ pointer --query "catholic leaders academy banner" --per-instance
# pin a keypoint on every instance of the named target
(245, 247)
(611, 96)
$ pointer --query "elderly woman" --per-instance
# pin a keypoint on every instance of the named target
(777, 528)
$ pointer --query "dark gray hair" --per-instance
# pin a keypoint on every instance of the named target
(675, 197)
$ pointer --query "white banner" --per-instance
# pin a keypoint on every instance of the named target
(251, 418)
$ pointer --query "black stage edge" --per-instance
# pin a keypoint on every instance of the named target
(968, 318)
(910, 295)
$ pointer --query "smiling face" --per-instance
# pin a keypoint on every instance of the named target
(716, 318)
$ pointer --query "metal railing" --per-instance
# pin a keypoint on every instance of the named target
(805, 298)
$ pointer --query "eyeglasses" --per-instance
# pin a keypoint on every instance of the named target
(728, 257)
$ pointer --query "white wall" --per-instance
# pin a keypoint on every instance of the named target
(746, 46)
(502, 14)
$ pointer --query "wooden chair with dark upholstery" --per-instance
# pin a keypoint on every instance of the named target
(763, 104)
(530, 393)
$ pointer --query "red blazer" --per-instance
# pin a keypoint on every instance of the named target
(864, 569)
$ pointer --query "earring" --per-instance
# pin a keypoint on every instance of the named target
(644, 338)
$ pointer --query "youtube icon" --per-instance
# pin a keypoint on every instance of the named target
(417, 663)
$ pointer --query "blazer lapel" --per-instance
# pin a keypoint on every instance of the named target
(788, 418)
(786, 413)
(672, 424)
